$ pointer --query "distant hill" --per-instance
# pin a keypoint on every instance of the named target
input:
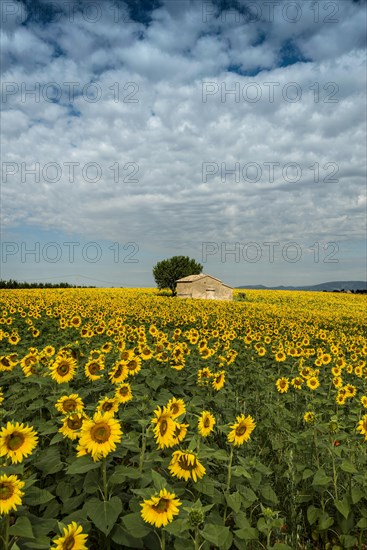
(330, 286)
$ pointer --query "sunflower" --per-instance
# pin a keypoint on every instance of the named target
(350, 390)
(10, 493)
(99, 436)
(133, 366)
(17, 441)
(241, 430)
(107, 404)
(1, 395)
(309, 417)
(160, 509)
(73, 538)
(218, 380)
(6, 364)
(364, 401)
(180, 433)
(282, 385)
(69, 403)
(63, 369)
(280, 356)
(326, 358)
(146, 353)
(118, 373)
(297, 382)
(206, 423)
(176, 407)
(49, 351)
(164, 428)
(313, 383)
(72, 425)
(337, 382)
(204, 376)
(362, 426)
(185, 465)
(92, 369)
(123, 393)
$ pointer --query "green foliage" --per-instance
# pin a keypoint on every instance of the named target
(167, 272)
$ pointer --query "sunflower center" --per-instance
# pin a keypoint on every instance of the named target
(185, 465)
(241, 430)
(107, 406)
(6, 490)
(163, 427)
(162, 505)
(63, 368)
(206, 423)
(94, 367)
(5, 362)
(100, 433)
(15, 441)
(124, 391)
(174, 408)
(118, 371)
(69, 405)
(132, 365)
(68, 543)
(74, 423)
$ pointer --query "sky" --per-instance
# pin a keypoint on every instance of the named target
(232, 132)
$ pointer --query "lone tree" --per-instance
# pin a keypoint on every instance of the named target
(167, 272)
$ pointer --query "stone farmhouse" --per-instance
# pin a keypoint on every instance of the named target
(203, 286)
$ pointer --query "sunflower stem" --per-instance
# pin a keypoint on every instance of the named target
(163, 541)
(6, 533)
(228, 487)
(229, 470)
(104, 477)
(143, 447)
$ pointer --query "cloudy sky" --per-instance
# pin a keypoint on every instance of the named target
(232, 132)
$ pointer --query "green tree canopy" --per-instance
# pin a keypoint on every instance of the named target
(168, 271)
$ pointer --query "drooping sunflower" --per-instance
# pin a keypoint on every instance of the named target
(204, 376)
(73, 538)
(6, 364)
(107, 404)
(282, 385)
(72, 425)
(297, 382)
(118, 372)
(10, 493)
(362, 426)
(350, 390)
(123, 393)
(241, 430)
(218, 380)
(309, 417)
(164, 428)
(176, 407)
(69, 403)
(17, 441)
(180, 433)
(93, 368)
(63, 369)
(186, 465)
(160, 509)
(206, 423)
(99, 436)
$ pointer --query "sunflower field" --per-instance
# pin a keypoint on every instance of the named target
(129, 419)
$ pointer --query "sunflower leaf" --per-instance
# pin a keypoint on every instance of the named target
(104, 514)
